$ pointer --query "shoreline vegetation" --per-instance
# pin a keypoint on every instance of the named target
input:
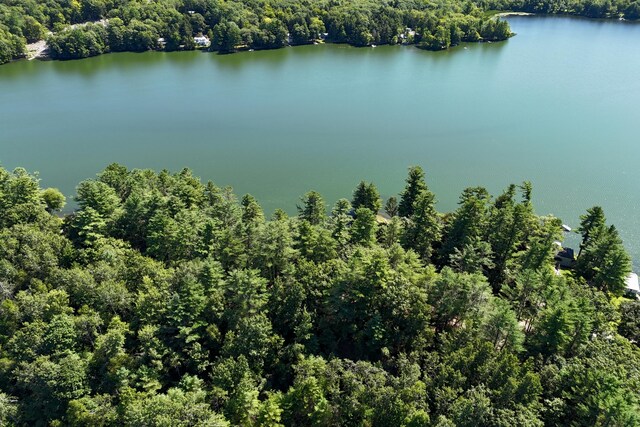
(87, 28)
(40, 49)
(166, 301)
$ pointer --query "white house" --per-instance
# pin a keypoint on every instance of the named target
(632, 285)
(202, 41)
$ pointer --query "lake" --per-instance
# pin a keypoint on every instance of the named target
(558, 104)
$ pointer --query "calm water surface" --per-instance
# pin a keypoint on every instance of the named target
(559, 105)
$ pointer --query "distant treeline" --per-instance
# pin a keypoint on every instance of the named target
(602, 9)
(137, 25)
(164, 301)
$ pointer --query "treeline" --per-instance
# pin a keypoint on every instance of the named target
(11, 46)
(136, 25)
(163, 301)
(602, 9)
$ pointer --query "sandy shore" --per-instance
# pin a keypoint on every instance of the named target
(37, 50)
(514, 14)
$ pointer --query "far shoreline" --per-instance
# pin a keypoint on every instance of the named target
(40, 51)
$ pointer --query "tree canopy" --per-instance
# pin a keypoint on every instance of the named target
(165, 301)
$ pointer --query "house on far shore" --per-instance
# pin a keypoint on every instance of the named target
(565, 258)
(202, 41)
(632, 285)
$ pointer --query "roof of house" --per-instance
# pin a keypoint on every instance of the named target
(631, 283)
(566, 253)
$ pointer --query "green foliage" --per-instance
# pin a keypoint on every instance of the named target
(48, 385)
(54, 199)
(603, 261)
(226, 36)
(76, 43)
(340, 222)
(19, 198)
(364, 227)
(467, 223)
(183, 406)
(391, 206)
(599, 387)
(629, 326)
(458, 299)
(163, 301)
(11, 46)
(589, 8)
(92, 410)
(8, 410)
(510, 226)
(424, 226)
(366, 196)
(415, 186)
(312, 209)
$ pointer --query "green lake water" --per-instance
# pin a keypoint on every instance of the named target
(558, 104)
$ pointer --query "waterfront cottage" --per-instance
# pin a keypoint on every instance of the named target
(202, 41)
(565, 258)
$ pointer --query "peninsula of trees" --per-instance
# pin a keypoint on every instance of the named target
(83, 28)
(163, 301)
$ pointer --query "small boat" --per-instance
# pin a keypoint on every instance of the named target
(566, 228)
(373, 45)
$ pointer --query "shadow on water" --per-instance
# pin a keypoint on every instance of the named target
(121, 62)
(124, 62)
(271, 58)
(19, 69)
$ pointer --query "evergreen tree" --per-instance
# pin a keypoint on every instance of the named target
(366, 196)
(312, 209)
(424, 227)
(391, 207)
(415, 186)
(363, 229)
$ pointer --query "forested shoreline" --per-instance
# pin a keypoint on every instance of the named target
(165, 301)
(84, 28)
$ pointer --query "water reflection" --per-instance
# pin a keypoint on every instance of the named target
(265, 58)
(122, 62)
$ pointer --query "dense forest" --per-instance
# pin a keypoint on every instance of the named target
(163, 301)
(83, 28)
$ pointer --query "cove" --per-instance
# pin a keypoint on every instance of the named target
(558, 105)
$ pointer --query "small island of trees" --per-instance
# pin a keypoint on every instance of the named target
(165, 301)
